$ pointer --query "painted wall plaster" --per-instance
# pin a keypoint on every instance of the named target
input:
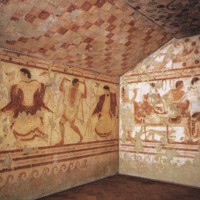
(160, 115)
(52, 130)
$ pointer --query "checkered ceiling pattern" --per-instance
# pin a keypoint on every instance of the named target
(105, 36)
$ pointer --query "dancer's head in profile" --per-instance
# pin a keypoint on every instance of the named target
(106, 89)
(25, 74)
(75, 82)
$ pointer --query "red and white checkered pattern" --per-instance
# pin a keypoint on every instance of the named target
(105, 36)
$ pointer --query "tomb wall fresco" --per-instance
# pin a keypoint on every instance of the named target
(57, 130)
(160, 115)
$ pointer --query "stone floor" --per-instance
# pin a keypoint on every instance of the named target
(121, 187)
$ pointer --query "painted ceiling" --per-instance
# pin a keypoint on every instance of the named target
(181, 18)
(105, 36)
